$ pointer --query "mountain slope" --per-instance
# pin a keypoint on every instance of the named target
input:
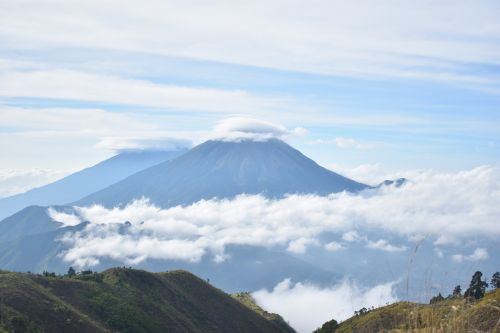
(28, 221)
(86, 181)
(451, 315)
(122, 300)
(225, 169)
(247, 299)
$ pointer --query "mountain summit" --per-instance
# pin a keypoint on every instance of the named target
(224, 169)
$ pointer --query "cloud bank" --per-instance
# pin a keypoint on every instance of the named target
(294, 300)
(439, 206)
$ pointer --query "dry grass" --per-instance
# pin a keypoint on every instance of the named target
(448, 316)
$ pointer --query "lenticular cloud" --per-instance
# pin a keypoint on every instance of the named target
(441, 206)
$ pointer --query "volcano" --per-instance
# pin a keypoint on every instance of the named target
(224, 169)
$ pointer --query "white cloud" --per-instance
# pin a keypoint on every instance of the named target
(434, 205)
(247, 128)
(80, 120)
(75, 85)
(345, 143)
(294, 300)
(383, 245)
(439, 252)
(412, 39)
(352, 236)
(300, 245)
(67, 219)
(477, 255)
(123, 144)
(18, 181)
(334, 246)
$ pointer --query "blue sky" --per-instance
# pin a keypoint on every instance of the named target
(398, 85)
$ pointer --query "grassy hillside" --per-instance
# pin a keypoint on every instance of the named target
(451, 315)
(122, 300)
(247, 299)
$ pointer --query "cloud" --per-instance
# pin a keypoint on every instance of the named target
(383, 245)
(411, 39)
(300, 245)
(334, 246)
(67, 219)
(247, 128)
(434, 205)
(83, 86)
(17, 181)
(294, 300)
(80, 120)
(352, 236)
(477, 255)
(345, 143)
(128, 144)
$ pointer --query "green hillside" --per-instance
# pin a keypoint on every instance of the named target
(122, 300)
(247, 299)
(450, 315)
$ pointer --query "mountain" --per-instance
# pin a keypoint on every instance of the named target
(123, 300)
(449, 316)
(30, 239)
(223, 169)
(86, 181)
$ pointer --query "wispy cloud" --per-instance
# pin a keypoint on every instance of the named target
(416, 39)
(80, 120)
(477, 255)
(83, 86)
(346, 143)
(383, 245)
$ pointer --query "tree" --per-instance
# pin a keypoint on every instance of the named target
(328, 327)
(48, 274)
(495, 280)
(457, 291)
(477, 287)
(436, 299)
(71, 272)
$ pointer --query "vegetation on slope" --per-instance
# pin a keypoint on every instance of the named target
(247, 299)
(122, 300)
(477, 311)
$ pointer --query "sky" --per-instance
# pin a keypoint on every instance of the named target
(366, 87)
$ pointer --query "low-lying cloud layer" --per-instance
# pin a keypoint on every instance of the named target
(439, 206)
(294, 300)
